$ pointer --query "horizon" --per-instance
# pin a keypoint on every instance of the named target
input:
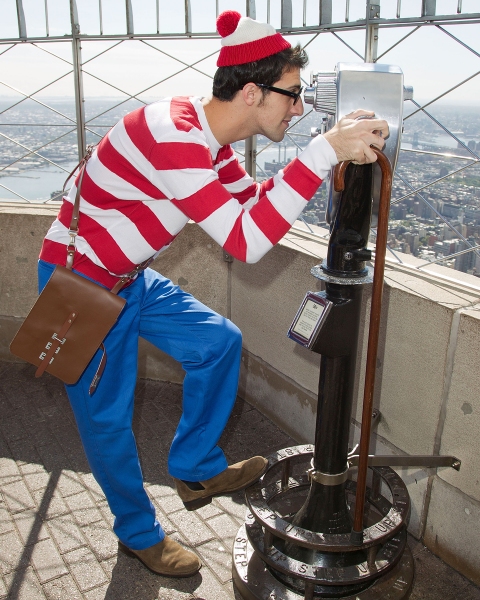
(466, 103)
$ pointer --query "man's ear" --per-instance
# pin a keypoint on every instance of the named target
(250, 93)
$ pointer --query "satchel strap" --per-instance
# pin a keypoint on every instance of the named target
(73, 230)
(129, 276)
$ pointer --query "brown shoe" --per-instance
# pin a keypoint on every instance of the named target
(166, 558)
(234, 478)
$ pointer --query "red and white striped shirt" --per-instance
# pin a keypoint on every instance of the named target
(161, 166)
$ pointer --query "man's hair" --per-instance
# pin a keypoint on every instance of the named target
(229, 80)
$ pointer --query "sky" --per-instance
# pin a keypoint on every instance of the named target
(432, 61)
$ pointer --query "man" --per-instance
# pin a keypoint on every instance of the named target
(159, 167)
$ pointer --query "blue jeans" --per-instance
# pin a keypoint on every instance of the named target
(209, 348)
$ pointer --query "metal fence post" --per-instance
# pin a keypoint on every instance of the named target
(251, 156)
(286, 14)
(325, 12)
(22, 28)
(129, 15)
(371, 31)
(78, 80)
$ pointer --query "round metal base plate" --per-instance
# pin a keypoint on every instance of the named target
(254, 580)
(319, 273)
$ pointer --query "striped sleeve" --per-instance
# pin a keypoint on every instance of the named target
(245, 218)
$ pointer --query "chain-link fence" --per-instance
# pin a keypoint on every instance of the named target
(69, 70)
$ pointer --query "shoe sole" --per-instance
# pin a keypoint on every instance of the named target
(200, 502)
(131, 554)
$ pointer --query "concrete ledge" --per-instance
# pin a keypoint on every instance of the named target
(274, 395)
(427, 376)
(453, 531)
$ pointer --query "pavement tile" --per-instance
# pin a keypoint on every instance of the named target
(13, 429)
(24, 585)
(63, 588)
(66, 533)
(78, 461)
(23, 451)
(47, 561)
(71, 523)
(106, 512)
(234, 505)
(37, 481)
(192, 527)
(209, 511)
(470, 592)
(31, 467)
(147, 390)
(156, 472)
(98, 593)
(17, 497)
(240, 407)
(38, 432)
(6, 520)
(445, 584)
(90, 484)
(51, 503)
(69, 483)
(216, 556)
(225, 528)
(30, 527)
(83, 509)
(52, 411)
(6, 407)
(8, 469)
(167, 498)
(101, 540)
(4, 446)
(210, 588)
(53, 457)
(84, 568)
(12, 554)
(167, 526)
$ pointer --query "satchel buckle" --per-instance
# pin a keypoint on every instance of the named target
(48, 345)
(73, 235)
(44, 354)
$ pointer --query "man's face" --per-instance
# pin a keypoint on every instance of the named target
(276, 110)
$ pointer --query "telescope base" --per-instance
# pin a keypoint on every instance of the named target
(255, 581)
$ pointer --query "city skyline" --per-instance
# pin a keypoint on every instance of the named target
(449, 62)
(416, 225)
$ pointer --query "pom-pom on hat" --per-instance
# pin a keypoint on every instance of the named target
(245, 40)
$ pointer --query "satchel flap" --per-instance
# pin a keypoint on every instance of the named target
(96, 310)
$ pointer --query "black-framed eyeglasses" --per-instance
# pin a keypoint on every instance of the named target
(294, 95)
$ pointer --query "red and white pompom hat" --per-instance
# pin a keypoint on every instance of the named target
(245, 40)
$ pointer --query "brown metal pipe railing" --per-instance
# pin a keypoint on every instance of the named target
(373, 333)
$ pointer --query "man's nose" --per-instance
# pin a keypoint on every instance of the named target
(297, 108)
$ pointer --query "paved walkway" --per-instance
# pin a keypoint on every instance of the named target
(55, 526)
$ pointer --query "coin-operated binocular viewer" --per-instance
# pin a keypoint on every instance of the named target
(326, 522)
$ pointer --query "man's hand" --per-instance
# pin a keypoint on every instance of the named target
(353, 135)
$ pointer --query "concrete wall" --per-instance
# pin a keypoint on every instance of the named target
(427, 377)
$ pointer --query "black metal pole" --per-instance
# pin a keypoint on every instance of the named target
(325, 509)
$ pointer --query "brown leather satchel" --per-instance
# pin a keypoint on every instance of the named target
(71, 317)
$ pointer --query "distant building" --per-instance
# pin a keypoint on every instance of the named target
(452, 210)
(472, 213)
(465, 262)
(274, 167)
